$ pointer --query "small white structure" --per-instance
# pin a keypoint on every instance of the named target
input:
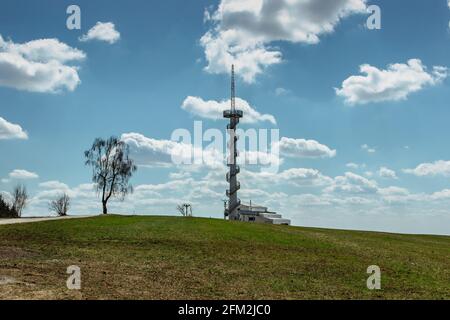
(260, 214)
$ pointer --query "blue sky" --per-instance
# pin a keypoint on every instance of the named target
(290, 66)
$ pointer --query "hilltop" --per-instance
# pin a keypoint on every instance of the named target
(137, 257)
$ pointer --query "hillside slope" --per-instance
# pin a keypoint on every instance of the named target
(189, 258)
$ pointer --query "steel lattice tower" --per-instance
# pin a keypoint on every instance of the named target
(234, 115)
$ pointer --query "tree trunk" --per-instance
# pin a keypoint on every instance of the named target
(105, 210)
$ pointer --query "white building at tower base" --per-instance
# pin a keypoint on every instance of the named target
(260, 214)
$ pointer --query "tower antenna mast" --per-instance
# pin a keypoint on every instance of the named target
(233, 90)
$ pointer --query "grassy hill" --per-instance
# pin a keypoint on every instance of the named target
(190, 258)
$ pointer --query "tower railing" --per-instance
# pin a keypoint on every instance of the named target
(230, 192)
(232, 172)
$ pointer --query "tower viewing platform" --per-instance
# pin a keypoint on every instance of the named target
(233, 114)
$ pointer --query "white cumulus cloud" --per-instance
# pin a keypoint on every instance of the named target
(299, 177)
(102, 31)
(355, 166)
(448, 3)
(11, 131)
(439, 167)
(212, 109)
(22, 174)
(53, 185)
(387, 173)
(392, 84)
(352, 183)
(45, 50)
(241, 32)
(154, 152)
(39, 65)
(301, 148)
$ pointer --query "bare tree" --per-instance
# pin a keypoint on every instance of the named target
(180, 209)
(111, 168)
(185, 209)
(60, 205)
(20, 198)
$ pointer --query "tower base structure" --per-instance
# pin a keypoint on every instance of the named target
(260, 214)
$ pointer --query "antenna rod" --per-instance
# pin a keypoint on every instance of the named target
(233, 90)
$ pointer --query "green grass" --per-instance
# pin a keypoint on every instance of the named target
(189, 258)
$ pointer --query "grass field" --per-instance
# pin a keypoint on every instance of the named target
(189, 258)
